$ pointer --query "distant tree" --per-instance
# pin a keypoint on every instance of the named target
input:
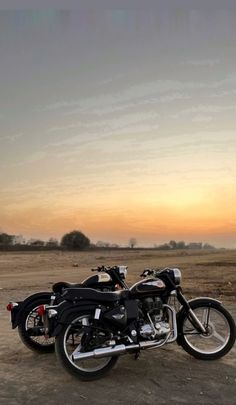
(115, 245)
(75, 240)
(37, 242)
(6, 239)
(173, 244)
(165, 246)
(102, 244)
(52, 242)
(132, 242)
(180, 245)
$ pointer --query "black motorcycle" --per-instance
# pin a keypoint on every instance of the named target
(26, 314)
(94, 328)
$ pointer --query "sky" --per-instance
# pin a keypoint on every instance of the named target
(119, 123)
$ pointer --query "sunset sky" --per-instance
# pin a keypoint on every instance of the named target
(120, 123)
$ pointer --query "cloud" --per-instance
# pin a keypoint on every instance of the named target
(132, 94)
(112, 123)
(223, 93)
(201, 108)
(202, 62)
(146, 93)
(202, 118)
(12, 138)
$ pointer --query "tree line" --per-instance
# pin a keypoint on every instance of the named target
(71, 240)
(78, 240)
(172, 245)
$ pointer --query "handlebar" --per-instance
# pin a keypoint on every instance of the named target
(150, 272)
(101, 268)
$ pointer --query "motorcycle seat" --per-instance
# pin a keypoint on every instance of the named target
(78, 294)
(62, 285)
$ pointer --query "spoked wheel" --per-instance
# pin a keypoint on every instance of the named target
(31, 329)
(72, 340)
(220, 331)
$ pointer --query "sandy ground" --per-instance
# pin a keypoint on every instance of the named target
(162, 376)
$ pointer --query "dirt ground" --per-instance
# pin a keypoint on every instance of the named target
(163, 376)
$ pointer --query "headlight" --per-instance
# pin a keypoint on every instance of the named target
(123, 271)
(177, 276)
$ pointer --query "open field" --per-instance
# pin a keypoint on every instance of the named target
(164, 376)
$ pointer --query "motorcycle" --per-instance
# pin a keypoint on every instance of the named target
(24, 314)
(93, 328)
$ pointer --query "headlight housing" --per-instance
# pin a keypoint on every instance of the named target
(177, 275)
(123, 271)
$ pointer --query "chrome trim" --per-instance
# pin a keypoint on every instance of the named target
(177, 275)
(123, 349)
(196, 320)
(174, 324)
(123, 270)
(51, 313)
(152, 325)
(205, 298)
(97, 313)
(116, 350)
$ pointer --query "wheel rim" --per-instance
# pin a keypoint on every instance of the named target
(33, 320)
(217, 327)
(72, 343)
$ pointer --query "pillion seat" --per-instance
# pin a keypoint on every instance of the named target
(77, 294)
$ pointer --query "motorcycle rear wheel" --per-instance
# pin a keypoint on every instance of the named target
(220, 330)
(69, 340)
(30, 319)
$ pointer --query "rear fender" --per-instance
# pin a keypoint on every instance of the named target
(66, 311)
(19, 310)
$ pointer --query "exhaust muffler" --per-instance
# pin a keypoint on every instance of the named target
(115, 350)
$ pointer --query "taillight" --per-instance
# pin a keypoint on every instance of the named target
(41, 310)
(11, 305)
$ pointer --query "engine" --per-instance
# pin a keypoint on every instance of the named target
(153, 324)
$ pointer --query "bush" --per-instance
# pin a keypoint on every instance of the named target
(75, 240)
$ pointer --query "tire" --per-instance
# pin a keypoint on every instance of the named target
(64, 358)
(220, 325)
(37, 344)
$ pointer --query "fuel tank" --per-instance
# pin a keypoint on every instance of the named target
(98, 281)
(148, 286)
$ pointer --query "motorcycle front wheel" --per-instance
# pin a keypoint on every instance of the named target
(220, 330)
(71, 340)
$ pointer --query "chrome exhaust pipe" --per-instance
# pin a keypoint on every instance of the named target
(103, 352)
(115, 350)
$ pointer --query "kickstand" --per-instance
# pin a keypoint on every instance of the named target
(136, 356)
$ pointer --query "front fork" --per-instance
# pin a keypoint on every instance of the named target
(199, 326)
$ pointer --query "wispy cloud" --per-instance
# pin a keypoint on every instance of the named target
(202, 118)
(146, 93)
(223, 93)
(202, 62)
(111, 123)
(11, 138)
(201, 108)
(135, 93)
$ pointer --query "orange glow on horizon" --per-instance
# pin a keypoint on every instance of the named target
(116, 218)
